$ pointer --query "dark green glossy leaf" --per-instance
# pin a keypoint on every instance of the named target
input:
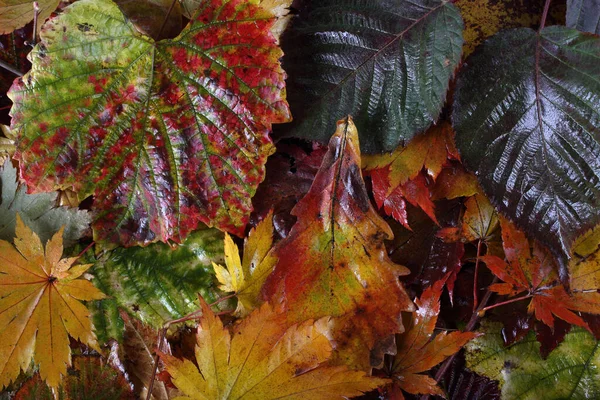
(38, 211)
(584, 15)
(385, 62)
(527, 121)
(156, 284)
(571, 371)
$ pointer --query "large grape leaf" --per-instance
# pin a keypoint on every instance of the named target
(334, 262)
(164, 134)
(158, 283)
(38, 211)
(263, 359)
(40, 306)
(527, 122)
(388, 63)
(569, 372)
(584, 15)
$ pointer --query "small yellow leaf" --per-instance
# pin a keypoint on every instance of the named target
(263, 360)
(40, 306)
(246, 278)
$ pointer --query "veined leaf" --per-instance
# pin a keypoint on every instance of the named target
(387, 63)
(531, 270)
(158, 283)
(17, 13)
(420, 350)
(246, 277)
(261, 360)
(584, 15)
(165, 134)
(531, 128)
(39, 306)
(334, 262)
(38, 211)
(569, 372)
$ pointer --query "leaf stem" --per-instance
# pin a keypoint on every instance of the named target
(544, 15)
(164, 23)
(36, 13)
(476, 275)
(10, 68)
(528, 296)
(89, 246)
(470, 326)
(229, 296)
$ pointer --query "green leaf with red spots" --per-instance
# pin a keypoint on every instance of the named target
(334, 262)
(164, 134)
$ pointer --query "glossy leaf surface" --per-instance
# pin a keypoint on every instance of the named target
(569, 372)
(530, 130)
(334, 262)
(584, 15)
(420, 350)
(165, 134)
(40, 306)
(159, 283)
(261, 360)
(38, 211)
(386, 63)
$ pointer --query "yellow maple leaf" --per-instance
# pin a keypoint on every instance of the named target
(246, 277)
(39, 306)
(261, 359)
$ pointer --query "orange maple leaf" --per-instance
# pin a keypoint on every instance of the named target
(532, 270)
(419, 350)
(39, 306)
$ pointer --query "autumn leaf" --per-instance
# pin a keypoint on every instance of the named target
(402, 175)
(479, 222)
(17, 13)
(39, 306)
(419, 349)
(246, 278)
(569, 372)
(262, 360)
(164, 134)
(532, 271)
(38, 211)
(334, 262)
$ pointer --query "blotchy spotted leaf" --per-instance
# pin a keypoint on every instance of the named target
(334, 262)
(531, 130)
(164, 134)
(584, 15)
(569, 372)
(387, 63)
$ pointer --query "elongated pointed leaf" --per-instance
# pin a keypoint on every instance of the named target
(569, 372)
(387, 63)
(527, 122)
(334, 262)
(165, 134)
(584, 15)
(17, 13)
